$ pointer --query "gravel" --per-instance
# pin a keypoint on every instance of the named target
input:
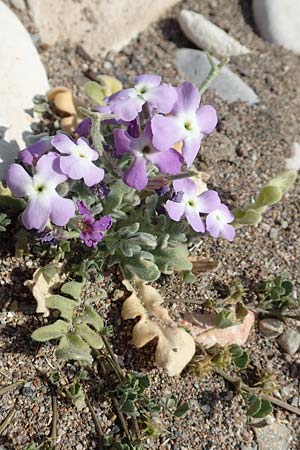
(261, 137)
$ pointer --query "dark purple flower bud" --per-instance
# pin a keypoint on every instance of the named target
(163, 190)
(84, 128)
(100, 190)
(133, 129)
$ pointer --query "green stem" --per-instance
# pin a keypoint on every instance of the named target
(245, 387)
(118, 368)
(213, 73)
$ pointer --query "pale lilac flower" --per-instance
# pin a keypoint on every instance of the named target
(31, 154)
(188, 122)
(126, 104)
(78, 164)
(44, 203)
(217, 223)
(187, 203)
(143, 151)
(91, 230)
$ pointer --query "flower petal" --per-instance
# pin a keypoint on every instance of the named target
(89, 152)
(122, 141)
(207, 119)
(225, 213)
(147, 80)
(166, 131)
(92, 174)
(185, 185)
(162, 98)
(175, 210)
(228, 232)
(48, 168)
(64, 144)
(126, 104)
(136, 175)
(190, 149)
(18, 180)
(36, 214)
(194, 219)
(208, 201)
(71, 166)
(168, 161)
(32, 153)
(62, 209)
(104, 223)
(84, 128)
(188, 98)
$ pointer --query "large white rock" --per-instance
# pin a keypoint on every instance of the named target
(278, 21)
(194, 66)
(208, 36)
(22, 75)
(98, 25)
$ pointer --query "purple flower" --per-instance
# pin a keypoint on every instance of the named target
(44, 203)
(78, 164)
(50, 237)
(31, 154)
(100, 190)
(126, 104)
(91, 230)
(168, 161)
(187, 203)
(84, 128)
(187, 123)
(217, 223)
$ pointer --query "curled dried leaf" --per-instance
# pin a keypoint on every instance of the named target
(175, 346)
(42, 287)
(202, 265)
(63, 101)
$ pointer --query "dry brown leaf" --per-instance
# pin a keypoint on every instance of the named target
(63, 101)
(202, 265)
(42, 289)
(175, 346)
(202, 327)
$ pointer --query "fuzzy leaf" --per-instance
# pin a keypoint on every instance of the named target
(254, 405)
(63, 304)
(182, 410)
(264, 410)
(98, 91)
(90, 317)
(72, 288)
(73, 347)
(53, 331)
(284, 180)
(268, 196)
(89, 335)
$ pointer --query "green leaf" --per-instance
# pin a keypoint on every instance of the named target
(64, 305)
(95, 92)
(236, 350)
(53, 331)
(129, 408)
(247, 217)
(225, 319)
(284, 180)
(268, 196)
(49, 271)
(288, 287)
(73, 288)
(91, 317)
(182, 410)
(89, 335)
(242, 361)
(73, 347)
(264, 410)
(254, 405)
(171, 401)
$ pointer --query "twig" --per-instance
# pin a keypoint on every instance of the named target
(117, 367)
(8, 419)
(245, 387)
(214, 71)
(10, 387)
(96, 422)
(53, 435)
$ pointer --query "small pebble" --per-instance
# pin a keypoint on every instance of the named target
(289, 341)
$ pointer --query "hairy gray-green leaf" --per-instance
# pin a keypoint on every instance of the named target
(73, 347)
(53, 331)
(89, 335)
(64, 305)
(91, 317)
(72, 288)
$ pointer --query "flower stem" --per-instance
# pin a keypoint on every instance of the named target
(213, 73)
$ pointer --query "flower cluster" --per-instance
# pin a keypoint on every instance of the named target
(155, 130)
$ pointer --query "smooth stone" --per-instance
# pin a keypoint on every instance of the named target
(18, 4)
(208, 36)
(98, 25)
(194, 66)
(22, 76)
(271, 328)
(289, 341)
(278, 21)
(276, 436)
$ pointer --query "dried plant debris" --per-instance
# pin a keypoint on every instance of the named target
(175, 346)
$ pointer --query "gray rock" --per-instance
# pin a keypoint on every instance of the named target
(194, 66)
(278, 21)
(98, 25)
(208, 36)
(271, 328)
(276, 436)
(22, 75)
(289, 341)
